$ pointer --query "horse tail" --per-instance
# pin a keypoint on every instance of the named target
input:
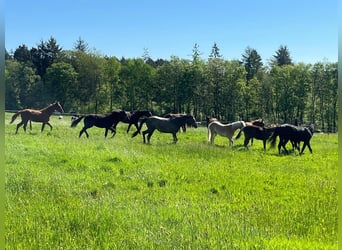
(76, 121)
(140, 126)
(15, 116)
(209, 132)
(273, 138)
(239, 134)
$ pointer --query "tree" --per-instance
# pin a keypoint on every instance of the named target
(61, 80)
(21, 82)
(22, 54)
(45, 54)
(81, 45)
(215, 74)
(282, 57)
(252, 63)
(112, 77)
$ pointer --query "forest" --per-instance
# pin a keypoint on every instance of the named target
(85, 81)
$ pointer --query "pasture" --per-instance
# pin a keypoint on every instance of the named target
(65, 192)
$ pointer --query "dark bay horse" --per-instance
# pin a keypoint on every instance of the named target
(108, 121)
(257, 132)
(133, 118)
(165, 125)
(225, 130)
(173, 115)
(288, 132)
(42, 115)
(258, 122)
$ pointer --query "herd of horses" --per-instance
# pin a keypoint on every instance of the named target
(172, 123)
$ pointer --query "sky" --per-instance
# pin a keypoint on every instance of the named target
(128, 28)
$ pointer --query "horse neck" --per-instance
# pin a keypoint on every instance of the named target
(181, 120)
(49, 109)
(140, 113)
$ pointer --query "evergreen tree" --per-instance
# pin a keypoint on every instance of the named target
(22, 54)
(252, 62)
(81, 45)
(282, 57)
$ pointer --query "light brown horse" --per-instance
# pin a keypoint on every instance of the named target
(42, 115)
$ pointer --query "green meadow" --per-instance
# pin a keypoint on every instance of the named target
(65, 192)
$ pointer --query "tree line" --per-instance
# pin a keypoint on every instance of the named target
(85, 81)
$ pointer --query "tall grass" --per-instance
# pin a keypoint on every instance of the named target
(65, 192)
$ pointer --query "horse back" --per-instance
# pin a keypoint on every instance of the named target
(162, 124)
(34, 115)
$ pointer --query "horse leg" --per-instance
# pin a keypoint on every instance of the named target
(48, 123)
(83, 130)
(279, 146)
(144, 133)
(174, 138)
(18, 126)
(309, 147)
(304, 145)
(43, 125)
(246, 141)
(212, 138)
(113, 130)
(149, 136)
(231, 142)
(264, 141)
(25, 125)
(129, 126)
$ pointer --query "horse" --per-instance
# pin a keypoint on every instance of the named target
(288, 132)
(257, 132)
(108, 121)
(42, 115)
(258, 122)
(173, 115)
(133, 118)
(165, 125)
(210, 120)
(225, 130)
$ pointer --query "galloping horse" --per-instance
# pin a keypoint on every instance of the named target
(108, 122)
(173, 115)
(165, 125)
(288, 132)
(133, 118)
(42, 115)
(225, 130)
(257, 132)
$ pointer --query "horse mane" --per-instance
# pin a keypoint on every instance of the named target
(48, 107)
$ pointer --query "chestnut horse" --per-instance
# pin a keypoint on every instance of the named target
(42, 115)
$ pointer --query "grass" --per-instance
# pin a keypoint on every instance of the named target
(65, 192)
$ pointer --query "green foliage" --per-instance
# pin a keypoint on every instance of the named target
(69, 193)
(85, 81)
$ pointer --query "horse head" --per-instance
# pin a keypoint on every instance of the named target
(58, 107)
(190, 121)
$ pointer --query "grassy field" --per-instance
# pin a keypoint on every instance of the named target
(65, 192)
